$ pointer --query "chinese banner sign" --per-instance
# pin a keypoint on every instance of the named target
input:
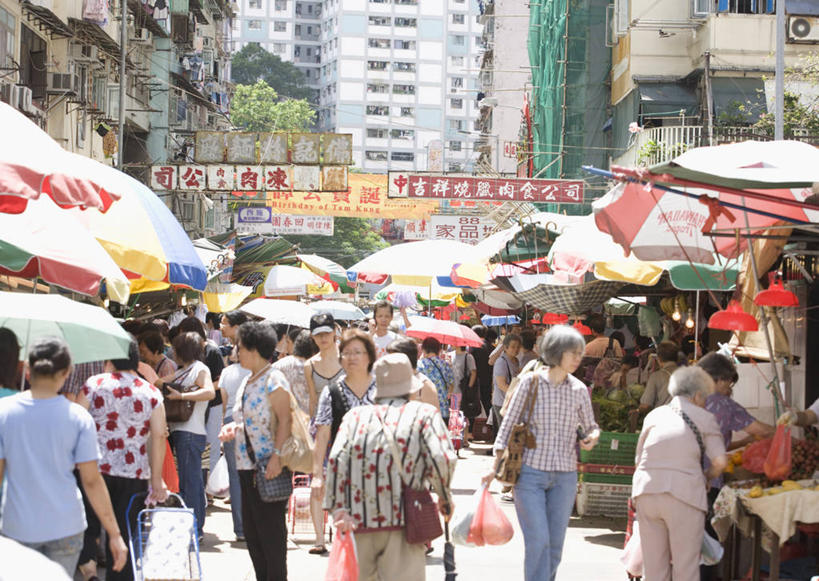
(250, 178)
(365, 197)
(273, 148)
(409, 185)
(466, 229)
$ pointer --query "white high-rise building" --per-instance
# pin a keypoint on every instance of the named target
(401, 77)
(290, 29)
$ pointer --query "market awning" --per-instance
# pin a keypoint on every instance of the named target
(667, 99)
(740, 98)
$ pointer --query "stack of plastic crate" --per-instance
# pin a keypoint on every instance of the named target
(604, 479)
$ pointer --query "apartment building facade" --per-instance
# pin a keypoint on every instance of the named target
(504, 78)
(402, 77)
(663, 53)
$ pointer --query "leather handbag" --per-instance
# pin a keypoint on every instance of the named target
(421, 521)
(521, 437)
(179, 410)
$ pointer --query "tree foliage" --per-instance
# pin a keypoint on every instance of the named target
(353, 239)
(254, 63)
(257, 108)
(801, 102)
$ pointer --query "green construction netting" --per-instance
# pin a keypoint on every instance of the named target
(570, 66)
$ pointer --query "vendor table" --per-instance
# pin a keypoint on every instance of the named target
(768, 520)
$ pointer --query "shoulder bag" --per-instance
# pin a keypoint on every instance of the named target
(179, 410)
(421, 521)
(521, 437)
(275, 489)
(297, 451)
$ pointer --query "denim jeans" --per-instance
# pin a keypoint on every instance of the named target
(188, 448)
(235, 487)
(544, 501)
(65, 551)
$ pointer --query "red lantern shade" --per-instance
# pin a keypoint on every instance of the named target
(584, 330)
(776, 295)
(554, 319)
(733, 318)
(464, 317)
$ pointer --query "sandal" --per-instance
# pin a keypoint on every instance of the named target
(318, 550)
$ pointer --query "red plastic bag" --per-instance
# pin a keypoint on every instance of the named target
(343, 565)
(778, 462)
(169, 474)
(753, 458)
(489, 525)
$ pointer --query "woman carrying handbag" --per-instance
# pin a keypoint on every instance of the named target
(535, 449)
(263, 400)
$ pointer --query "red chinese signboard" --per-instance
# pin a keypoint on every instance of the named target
(408, 185)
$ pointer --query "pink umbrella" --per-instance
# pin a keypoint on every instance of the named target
(31, 164)
(447, 332)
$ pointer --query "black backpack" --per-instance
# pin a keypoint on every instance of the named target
(339, 407)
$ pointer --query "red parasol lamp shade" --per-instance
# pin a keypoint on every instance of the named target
(554, 319)
(733, 318)
(776, 295)
(584, 330)
(464, 317)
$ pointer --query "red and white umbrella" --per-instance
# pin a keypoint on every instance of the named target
(654, 224)
(32, 164)
(447, 332)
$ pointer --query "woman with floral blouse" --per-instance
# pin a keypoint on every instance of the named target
(263, 396)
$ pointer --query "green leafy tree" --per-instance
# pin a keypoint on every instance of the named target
(257, 108)
(254, 63)
(353, 239)
(801, 103)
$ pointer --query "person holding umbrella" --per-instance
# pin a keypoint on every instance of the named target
(43, 436)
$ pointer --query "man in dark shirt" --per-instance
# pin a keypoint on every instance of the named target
(481, 355)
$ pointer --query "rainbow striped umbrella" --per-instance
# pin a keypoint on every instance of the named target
(143, 236)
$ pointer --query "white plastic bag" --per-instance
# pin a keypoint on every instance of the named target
(632, 555)
(218, 481)
(462, 520)
(712, 550)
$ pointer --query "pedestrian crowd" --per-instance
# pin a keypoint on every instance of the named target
(385, 414)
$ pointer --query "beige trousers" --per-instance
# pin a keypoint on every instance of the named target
(671, 534)
(386, 556)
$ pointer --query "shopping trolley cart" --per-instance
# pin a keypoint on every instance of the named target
(164, 545)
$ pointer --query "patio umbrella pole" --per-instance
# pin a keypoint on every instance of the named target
(697, 324)
(764, 317)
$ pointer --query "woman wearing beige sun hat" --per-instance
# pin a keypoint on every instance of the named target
(372, 506)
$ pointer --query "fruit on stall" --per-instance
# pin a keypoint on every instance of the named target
(804, 459)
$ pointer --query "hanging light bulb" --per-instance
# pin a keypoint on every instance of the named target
(184, 300)
(676, 314)
(689, 322)
(106, 302)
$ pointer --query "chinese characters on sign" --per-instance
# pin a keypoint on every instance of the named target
(273, 148)
(466, 229)
(249, 178)
(408, 185)
(263, 221)
(416, 230)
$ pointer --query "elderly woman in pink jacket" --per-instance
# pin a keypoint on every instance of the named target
(669, 486)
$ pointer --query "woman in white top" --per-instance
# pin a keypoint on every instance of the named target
(188, 438)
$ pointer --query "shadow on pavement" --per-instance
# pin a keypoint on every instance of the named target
(616, 540)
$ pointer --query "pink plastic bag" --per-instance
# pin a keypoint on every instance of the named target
(343, 565)
(632, 555)
(489, 526)
(778, 462)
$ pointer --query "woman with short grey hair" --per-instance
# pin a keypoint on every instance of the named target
(669, 484)
(546, 489)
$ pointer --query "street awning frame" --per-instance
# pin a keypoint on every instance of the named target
(667, 99)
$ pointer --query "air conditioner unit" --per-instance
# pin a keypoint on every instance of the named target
(803, 29)
(84, 53)
(24, 99)
(5, 93)
(143, 35)
(61, 83)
